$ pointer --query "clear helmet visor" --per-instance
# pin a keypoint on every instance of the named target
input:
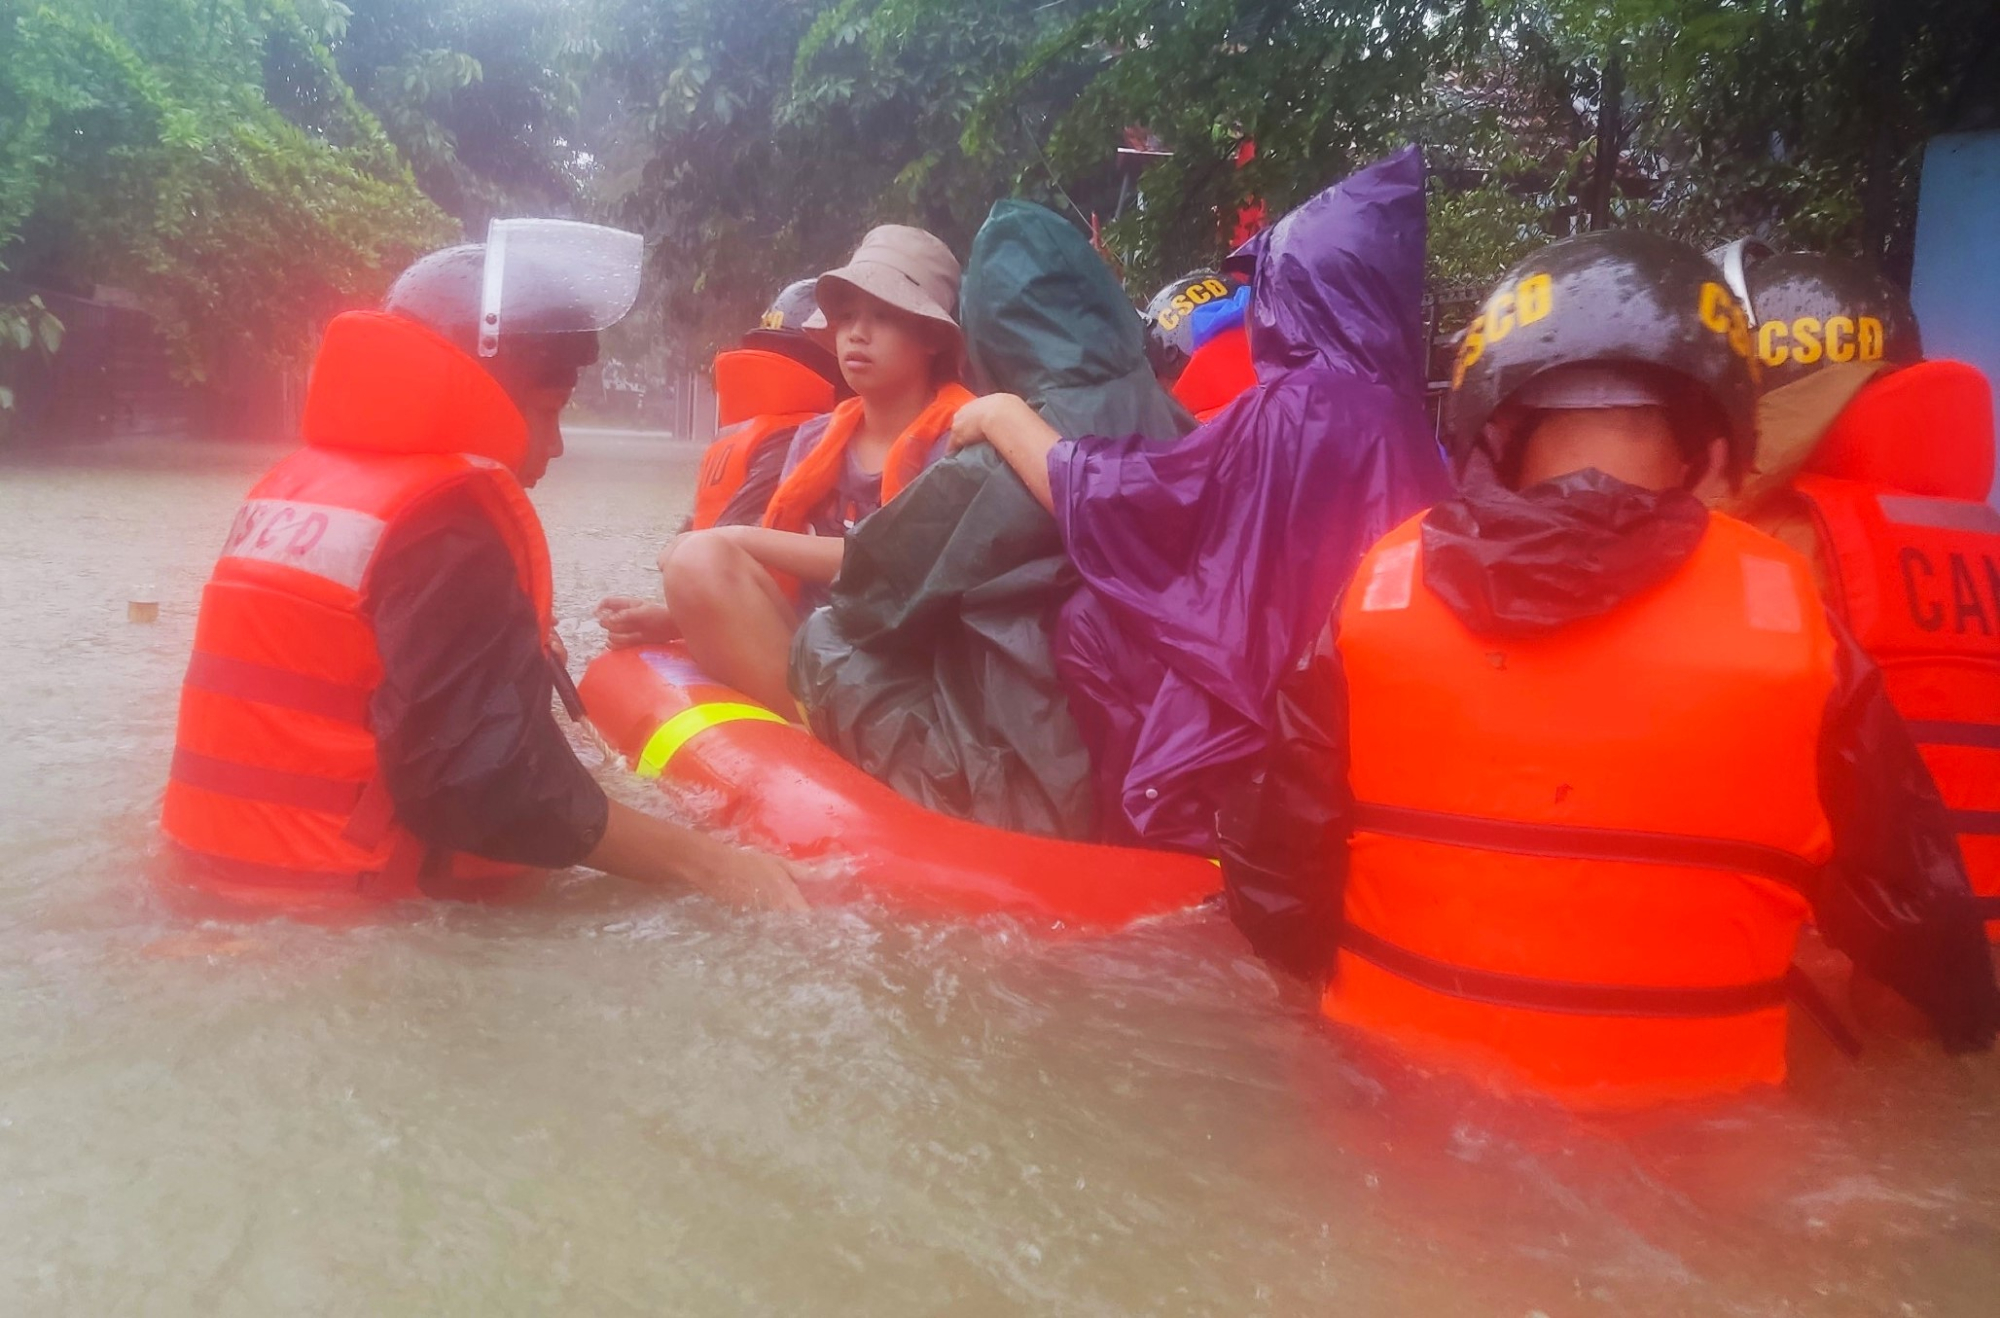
(556, 277)
(1734, 260)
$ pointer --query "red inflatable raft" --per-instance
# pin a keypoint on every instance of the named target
(747, 769)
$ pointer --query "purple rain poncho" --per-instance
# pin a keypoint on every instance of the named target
(1210, 566)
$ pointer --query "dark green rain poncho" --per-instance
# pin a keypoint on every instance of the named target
(930, 667)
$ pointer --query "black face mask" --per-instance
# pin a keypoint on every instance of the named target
(1525, 562)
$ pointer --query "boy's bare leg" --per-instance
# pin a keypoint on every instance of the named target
(737, 623)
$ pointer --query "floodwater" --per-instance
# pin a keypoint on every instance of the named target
(615, 1103)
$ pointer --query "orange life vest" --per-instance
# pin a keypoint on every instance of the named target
(274, 796)
(1218, 371)
(816, 477)
(1911, 553)
(760, 397)
(1577, 858)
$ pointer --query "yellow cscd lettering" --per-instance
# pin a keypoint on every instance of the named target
(1535, 299)
(1805, 340)
(1770, 348)
(1714, 303)
(1868, 338)
(1721, 312)
(1506, 311)
(1475, 345)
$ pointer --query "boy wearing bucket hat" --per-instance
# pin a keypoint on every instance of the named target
(735, 594)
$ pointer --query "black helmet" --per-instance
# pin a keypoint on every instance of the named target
(540, 288)
(1170, 319)
(792, 308)
(1652, 309)
(781, 329)
(1811, 311)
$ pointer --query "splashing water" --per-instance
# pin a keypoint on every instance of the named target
(613, 1103)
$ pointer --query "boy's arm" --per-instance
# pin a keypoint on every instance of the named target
(1017, 432)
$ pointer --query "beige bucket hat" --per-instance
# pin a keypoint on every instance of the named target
(910, 269)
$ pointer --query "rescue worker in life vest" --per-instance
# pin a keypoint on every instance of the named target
(366, 716)
(1875, 464)
(773, 381)
(1577, 759)
(1198, 342)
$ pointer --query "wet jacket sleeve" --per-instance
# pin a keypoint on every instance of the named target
(1284, 830)
(1895, 897)
(760, 481)
(467, 740)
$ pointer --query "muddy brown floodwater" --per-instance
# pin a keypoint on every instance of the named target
(615, 1104)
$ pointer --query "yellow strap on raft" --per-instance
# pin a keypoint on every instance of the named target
(682, 728)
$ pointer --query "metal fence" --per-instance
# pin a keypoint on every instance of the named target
(111, 377)
(694, 408)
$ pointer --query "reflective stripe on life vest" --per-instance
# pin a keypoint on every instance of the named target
(325, 541)
(683, 727)
(1941, 514)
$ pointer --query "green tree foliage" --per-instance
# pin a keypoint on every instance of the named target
(483, 97)
(1319, 88)
(1803, 121)
(246, 166)
(142, 146)
(763, 136)
(1806, 119)
(766, 134)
